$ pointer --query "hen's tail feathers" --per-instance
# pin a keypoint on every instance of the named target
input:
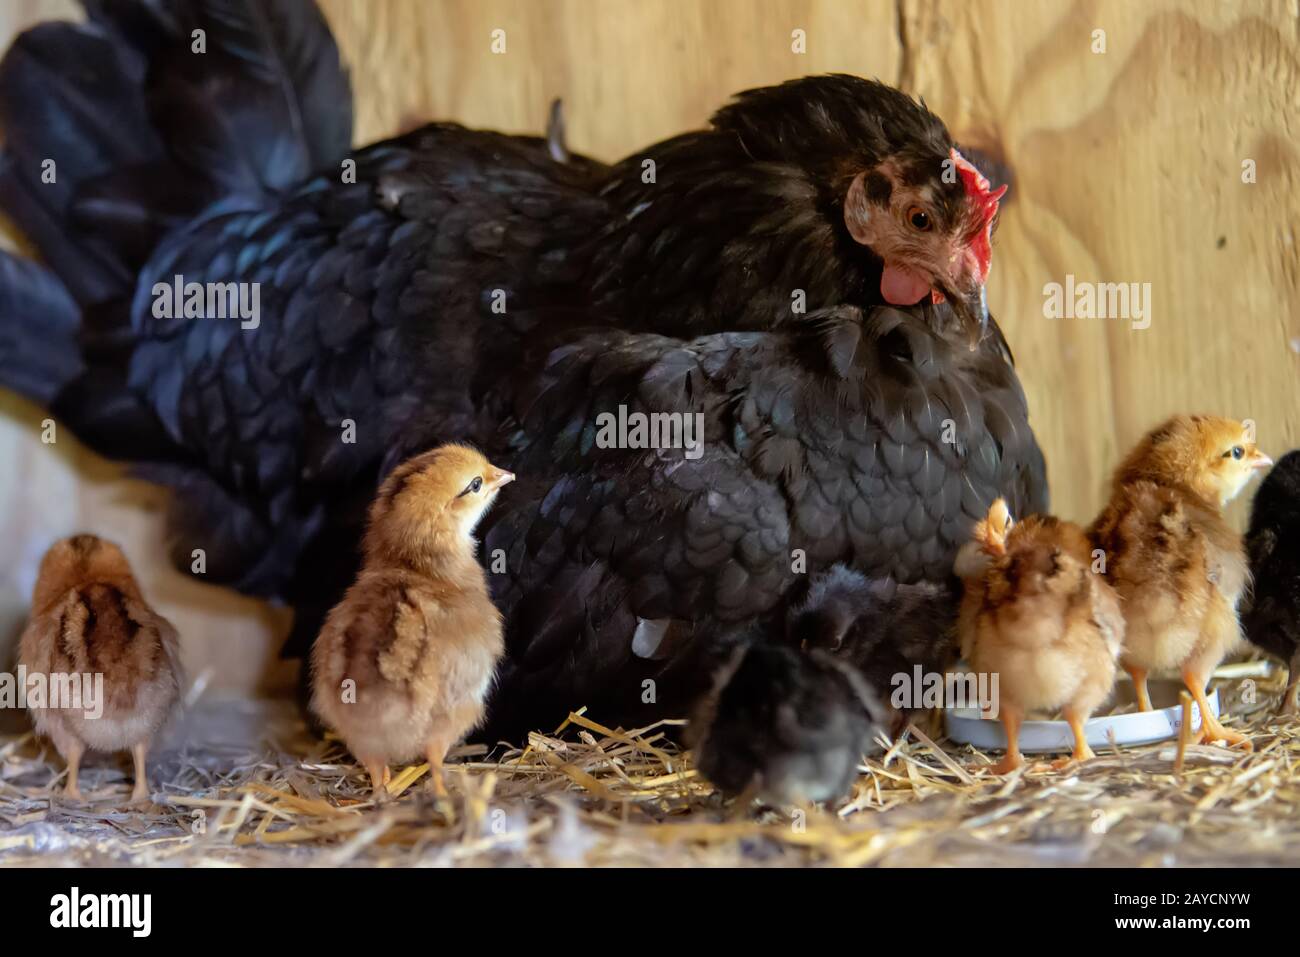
(118, 130)
(32, 298)
(59, 355)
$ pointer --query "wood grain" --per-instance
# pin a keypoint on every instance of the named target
(1127, 168)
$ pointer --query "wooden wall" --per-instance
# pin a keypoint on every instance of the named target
(1128, 167)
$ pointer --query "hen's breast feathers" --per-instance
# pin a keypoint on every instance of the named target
(861, 440)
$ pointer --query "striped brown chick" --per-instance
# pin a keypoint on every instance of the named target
(108, 663)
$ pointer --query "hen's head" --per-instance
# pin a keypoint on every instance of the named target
(892, 179)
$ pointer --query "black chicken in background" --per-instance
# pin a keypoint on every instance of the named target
(1271, 617)
(807, 275)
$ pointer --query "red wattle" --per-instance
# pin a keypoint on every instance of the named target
(901, 286)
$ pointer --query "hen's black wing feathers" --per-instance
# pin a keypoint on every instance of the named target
(374, 318)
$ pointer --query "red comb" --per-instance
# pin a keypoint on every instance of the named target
(986, 201)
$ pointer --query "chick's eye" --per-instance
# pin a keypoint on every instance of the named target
(1238, 451)
(475, 485)
(919, 218)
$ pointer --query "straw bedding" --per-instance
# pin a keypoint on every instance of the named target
(243, 783)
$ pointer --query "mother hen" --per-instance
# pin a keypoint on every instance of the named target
(807, 275)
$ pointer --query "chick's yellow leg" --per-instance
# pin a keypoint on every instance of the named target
(1290, 704)
(1139, 676)
(1211, 730)
(1012, 759)
(72, 754)
(379, 777)
(1082, 752)
(140, 793)
(436, 753)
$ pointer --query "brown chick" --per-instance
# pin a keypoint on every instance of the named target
(1177, 566)
(402, 667)
(89, 619)
(1034, 614)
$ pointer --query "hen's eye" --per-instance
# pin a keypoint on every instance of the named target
(473, 486)
(919, 218)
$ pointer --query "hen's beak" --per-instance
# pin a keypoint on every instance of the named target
(972, 310)
(1260, 461)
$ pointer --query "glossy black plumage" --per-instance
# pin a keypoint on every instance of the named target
(466, 285)
(1271, 617)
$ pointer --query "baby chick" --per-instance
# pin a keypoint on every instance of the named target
(1272, 614)
(403, 664)
(1178, 567)
(882, 627)
(89, 619)
(1034, 614)
(782, 725)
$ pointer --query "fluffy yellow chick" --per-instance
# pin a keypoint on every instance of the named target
(1178, 567)
(89, 619)
(1034, 613)
(402, 667)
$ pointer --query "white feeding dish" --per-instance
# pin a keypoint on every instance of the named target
(965, 726)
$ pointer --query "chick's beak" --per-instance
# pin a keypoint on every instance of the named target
(501, 477)
(1260, 461)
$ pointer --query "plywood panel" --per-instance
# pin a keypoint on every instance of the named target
(1127, 166)
(1129, 169)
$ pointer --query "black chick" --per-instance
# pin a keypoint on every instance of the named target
(790, 722)
(784, 726)
(1271, 618)
(884, 629)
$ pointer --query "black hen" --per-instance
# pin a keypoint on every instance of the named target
(1271, 618)
(453, 284)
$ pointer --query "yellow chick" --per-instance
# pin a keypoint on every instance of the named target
(1034, 614)
(1177, 565)
(402, 667)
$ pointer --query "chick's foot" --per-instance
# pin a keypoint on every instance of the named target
(140, 793)
(1082, 751)
(1211, 730)
(379, 778)
(1013, 759)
